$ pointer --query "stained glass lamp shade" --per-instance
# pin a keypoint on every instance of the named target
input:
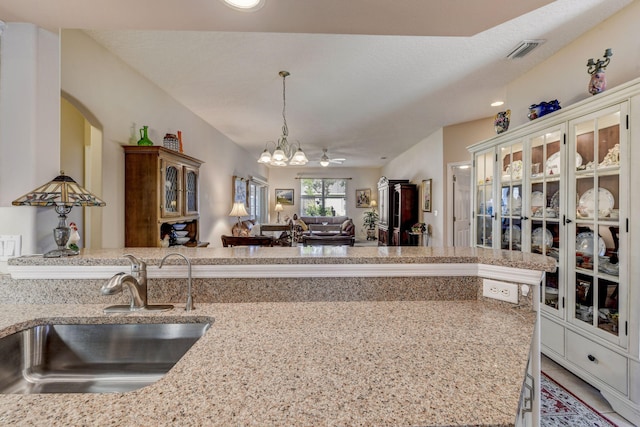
(62, 193)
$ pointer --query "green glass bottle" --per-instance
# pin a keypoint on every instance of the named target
(144, 137)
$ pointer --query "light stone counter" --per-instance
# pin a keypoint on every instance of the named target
(224, 275)
(387, 336)
(303, 255)
(355, 363)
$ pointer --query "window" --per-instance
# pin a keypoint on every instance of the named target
(257, 200)
(323, 197)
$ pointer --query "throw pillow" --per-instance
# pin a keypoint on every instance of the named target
(345, 225)
(302, 225)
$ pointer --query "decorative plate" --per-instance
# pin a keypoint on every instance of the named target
(537, 199)
(586, 204)
(541, 235)
(515, 234)
(555, 200)
(553, 164)
(515, 204)
(584, 244)
(516, 169)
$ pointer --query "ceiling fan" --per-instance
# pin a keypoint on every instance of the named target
(325, 160)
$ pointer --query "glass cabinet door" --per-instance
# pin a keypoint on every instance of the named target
(512, 168)
(597, 248)
(171, 202)
(544, 211)
(190, 190)
(484, 206)
(383, 199)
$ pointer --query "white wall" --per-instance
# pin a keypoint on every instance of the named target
(564, 76)
(29, 131)
(360, 178)
(72, 129)
(123, 101)
(424, 161)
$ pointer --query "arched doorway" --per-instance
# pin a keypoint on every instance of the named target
(81, 158)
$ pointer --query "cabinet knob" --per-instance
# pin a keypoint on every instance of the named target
(592, 358)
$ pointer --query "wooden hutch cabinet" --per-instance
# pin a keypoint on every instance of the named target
(161, 187)
(404, 208)
(398, 204)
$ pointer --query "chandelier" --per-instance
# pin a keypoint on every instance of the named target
(284, 151)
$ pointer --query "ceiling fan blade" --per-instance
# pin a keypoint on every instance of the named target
(326, 158)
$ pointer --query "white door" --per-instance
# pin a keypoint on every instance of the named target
(461, 205)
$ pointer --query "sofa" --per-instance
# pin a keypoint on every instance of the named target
(332, 240)
(322, 226)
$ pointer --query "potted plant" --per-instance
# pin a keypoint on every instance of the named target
(370, 221)
(419, 227)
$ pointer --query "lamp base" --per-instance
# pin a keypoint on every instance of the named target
(58, 253)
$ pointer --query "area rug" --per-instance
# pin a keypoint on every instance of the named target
(560, 408)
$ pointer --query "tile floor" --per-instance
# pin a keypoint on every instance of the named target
(582, 390)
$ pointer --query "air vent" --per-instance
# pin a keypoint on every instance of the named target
(524, 48)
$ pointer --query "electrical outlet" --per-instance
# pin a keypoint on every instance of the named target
(10, 246)
(500, 290)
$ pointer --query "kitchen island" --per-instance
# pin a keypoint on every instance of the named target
(345, 361)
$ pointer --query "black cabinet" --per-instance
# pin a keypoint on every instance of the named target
(404, 212)
(398, 204)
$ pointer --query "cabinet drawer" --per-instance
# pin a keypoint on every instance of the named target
(608, 366)
(552, 335)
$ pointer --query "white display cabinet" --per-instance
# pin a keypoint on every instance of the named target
(561, 185)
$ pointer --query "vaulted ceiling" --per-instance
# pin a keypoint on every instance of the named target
(369, 78)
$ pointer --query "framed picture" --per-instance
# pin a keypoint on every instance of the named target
(425, 196)
(363, 198)
(284, 196)
(239, 190)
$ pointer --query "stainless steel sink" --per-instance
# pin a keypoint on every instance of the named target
(96, 358)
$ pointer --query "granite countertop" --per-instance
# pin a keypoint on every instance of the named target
(390, 363)
(304, 255)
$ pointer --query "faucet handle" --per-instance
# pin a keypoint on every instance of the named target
(137, 265)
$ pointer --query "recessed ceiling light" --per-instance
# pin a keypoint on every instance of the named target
(497, 103)
(245, 5)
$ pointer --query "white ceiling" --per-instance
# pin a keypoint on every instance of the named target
(369, 78)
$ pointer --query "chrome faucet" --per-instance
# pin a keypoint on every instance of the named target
(136, 282)
(189, 305)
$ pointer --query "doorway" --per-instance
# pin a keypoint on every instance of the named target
(81, 159)
(459, 218)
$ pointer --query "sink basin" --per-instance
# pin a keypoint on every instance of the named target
(96, 358)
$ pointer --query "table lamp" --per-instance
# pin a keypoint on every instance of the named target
(238, 210)
(63, 193)
(278, 209)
